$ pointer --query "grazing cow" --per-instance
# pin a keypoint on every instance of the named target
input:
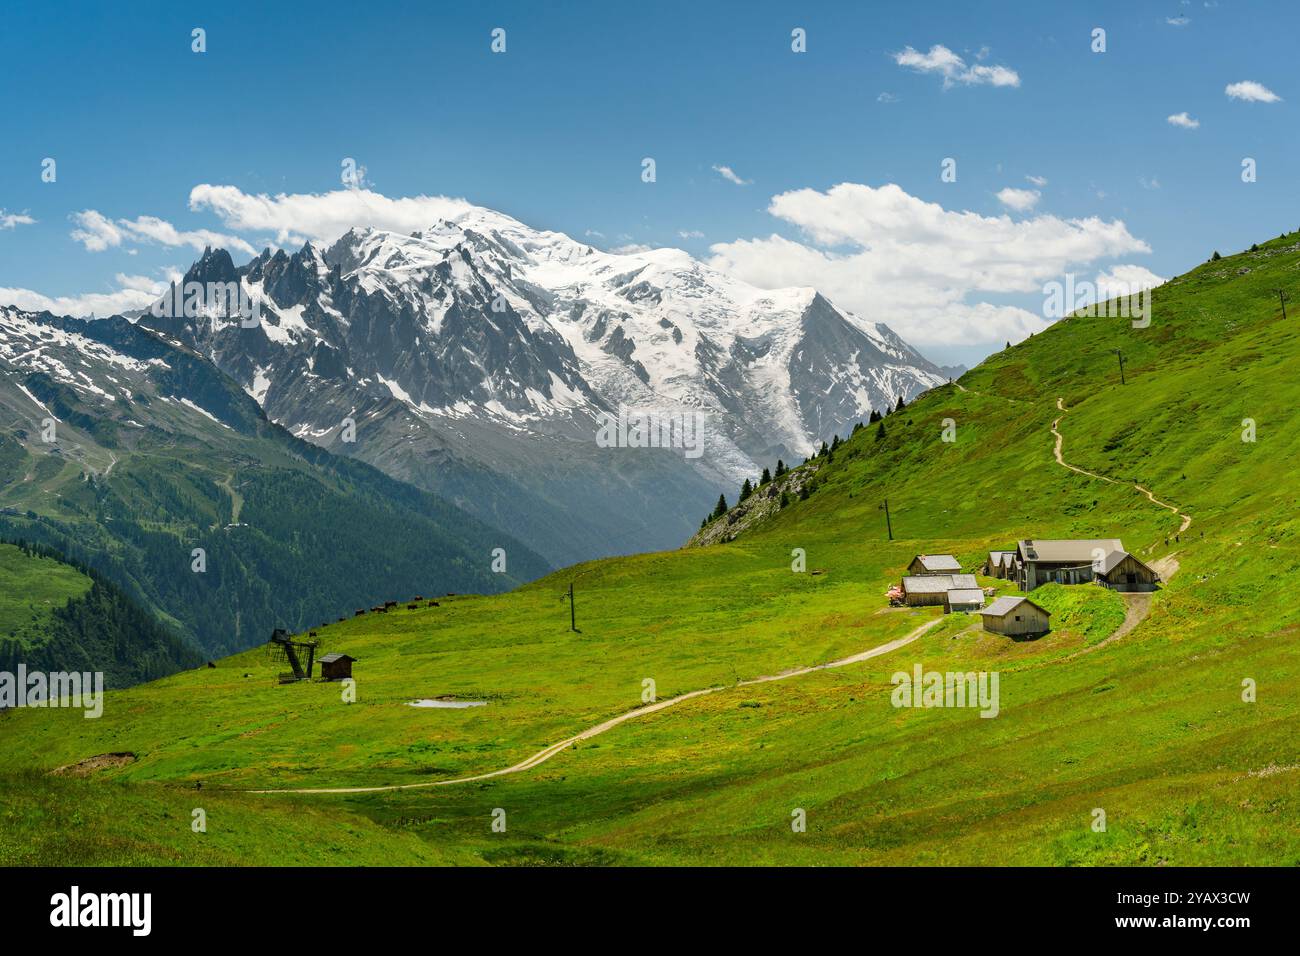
(432, 604)
(412, 607)
(360, 611)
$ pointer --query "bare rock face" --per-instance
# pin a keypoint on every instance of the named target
(757, 508)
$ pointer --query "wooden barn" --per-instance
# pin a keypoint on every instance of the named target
(1120, 571)
(924, 564)
(927, 590)
(1000, 564)
(336, 666)
(963, 599)
(1015, 616)
(1079, 561)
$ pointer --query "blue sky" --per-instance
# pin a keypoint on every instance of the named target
(553, 132)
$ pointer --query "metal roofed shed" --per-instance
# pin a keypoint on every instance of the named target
(1016, 616)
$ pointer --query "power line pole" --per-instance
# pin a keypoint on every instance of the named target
(573, 618)
(1120, 353)
(888, 524)
(1282, 297)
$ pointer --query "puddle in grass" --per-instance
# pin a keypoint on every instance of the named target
(455, 704)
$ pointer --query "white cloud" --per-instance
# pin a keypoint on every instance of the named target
(1251, 92)
(727, 173)
(1152, 183)
(927, 271)
(133, 292)
(1125, 279)
(690, 234)
(322, 217)
(631, 249)
(97, 233)
(1178, 21)
(1039, 181)
(1183, 120)
(1020, 200)
(9, 220)
(886, 98)
(954, 69)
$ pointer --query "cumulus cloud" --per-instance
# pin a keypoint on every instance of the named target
(8, 220)
(132, 292)
(1184, 120)
(727, 173)
(927, 271)
(1020, 200)
(1251, 92)
(1125, 279)
(97, 233)
(954, 69)
(321, 217)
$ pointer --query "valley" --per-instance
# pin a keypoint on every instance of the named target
(1144, 718)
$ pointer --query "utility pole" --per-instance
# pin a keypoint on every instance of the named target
(888, 525)
(1120, 353)
(573, 619)
(1282, 297)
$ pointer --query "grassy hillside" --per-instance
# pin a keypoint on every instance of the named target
(292, 535)
(31, 587)
(57, 617)
(1152, 729)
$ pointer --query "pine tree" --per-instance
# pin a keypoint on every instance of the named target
(785, 499)
(901, 404)
(835, 443)
(780, 468)
(746, 490)
(803, 493)
(766, 477)
(821, 453)
(1216, 257)
(720, 508)
(874, 417)
(880, 431)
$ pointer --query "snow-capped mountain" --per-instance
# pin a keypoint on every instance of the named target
(478, 358)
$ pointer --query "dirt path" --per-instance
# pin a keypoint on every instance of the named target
(544, 755)
(1060, 439)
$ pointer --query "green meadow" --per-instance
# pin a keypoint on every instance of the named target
(1181, 735)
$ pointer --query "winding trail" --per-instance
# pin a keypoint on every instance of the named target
(1137, 606)
(1060, 439)
(544, 755)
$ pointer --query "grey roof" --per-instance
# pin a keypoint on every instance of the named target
(937, 583)
(928, 583)
(1067, 550)
(997, 557)
(1008, 603)
(966, 596)
(938, 562)
(1112, 560)
(331, 658)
